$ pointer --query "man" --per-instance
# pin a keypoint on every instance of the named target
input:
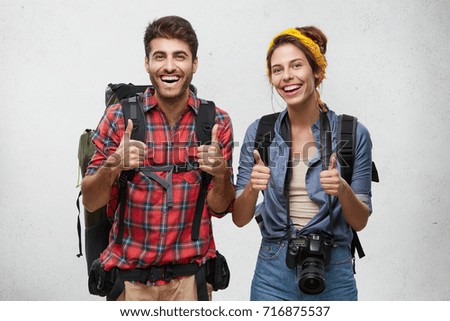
(158, 258)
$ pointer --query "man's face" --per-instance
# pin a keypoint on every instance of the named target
(171, 68)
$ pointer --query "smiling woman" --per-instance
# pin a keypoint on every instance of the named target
(309, 210)
(292, 75)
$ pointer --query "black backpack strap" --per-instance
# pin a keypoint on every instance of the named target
(265, 133)
(375, 177)
(200, 282)
(346, 153)
(356, 245)
(346, 145)
(132, 109)
(80, 246)
(205, 121)
(203, 128)
(346, 148)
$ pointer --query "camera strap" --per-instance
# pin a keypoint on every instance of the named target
(326, 151)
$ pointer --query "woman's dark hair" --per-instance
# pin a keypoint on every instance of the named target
(171, 27)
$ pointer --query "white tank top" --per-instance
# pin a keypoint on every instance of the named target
(302, 208)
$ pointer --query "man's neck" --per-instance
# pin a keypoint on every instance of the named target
(173, 108)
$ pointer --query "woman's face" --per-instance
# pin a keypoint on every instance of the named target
(292, 75)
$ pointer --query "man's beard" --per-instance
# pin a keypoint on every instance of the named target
(171, 95)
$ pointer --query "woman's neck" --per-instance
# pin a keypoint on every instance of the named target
(304, 115)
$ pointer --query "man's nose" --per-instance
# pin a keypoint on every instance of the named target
(170, 65)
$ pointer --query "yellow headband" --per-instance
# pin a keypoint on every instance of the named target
(311, 45)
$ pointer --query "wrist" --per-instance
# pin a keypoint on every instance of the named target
(223, 176)
(111, 170)
(251, 190)
(344, 188)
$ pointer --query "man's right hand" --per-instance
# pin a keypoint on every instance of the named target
(260, 176)
(130, 154)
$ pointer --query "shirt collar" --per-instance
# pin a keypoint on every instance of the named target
(150, 100)
(284, 118)
(283, 124)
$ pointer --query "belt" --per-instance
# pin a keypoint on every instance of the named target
(156, 273)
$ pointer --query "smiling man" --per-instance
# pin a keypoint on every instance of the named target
(158, 258)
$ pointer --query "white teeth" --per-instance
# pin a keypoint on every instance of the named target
(170, 78)
(292, 87)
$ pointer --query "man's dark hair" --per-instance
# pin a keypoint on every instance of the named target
(171, 27)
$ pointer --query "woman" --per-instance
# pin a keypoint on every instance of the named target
(303, 198)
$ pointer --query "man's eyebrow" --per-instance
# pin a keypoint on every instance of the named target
(175, 53)
(180, 52)
(159, 52)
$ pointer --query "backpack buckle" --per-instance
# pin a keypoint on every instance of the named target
(156, 273)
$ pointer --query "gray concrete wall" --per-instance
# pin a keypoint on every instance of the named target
(388, 65)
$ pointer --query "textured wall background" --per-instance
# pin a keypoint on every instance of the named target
(388, 65)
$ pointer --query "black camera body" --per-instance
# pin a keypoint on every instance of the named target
(312, 252)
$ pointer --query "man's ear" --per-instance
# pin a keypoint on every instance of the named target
(195, 65)
(147, 65)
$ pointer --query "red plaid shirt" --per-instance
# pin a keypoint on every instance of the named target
(156, 233)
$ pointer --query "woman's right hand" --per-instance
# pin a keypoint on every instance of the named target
(260, 175)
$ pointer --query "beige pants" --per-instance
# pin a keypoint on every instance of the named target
(181, 289)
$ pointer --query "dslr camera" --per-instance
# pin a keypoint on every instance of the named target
(312, 253)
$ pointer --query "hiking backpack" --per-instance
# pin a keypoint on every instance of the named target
(97, 224)
(345, 145)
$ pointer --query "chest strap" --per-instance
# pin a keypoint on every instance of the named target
(149, 171)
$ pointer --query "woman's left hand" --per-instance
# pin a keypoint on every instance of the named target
(331, 181)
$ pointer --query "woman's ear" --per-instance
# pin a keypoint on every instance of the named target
(318, 78)
(269, 75)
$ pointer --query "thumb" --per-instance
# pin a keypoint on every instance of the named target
(129, 128)
(332, 162)
(214, 134)
(257, 157)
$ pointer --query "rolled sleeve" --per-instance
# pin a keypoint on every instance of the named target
(362, 170)
(226, 141)
(107, 137)
(246, 159)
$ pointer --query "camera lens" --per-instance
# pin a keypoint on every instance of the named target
(312, 279)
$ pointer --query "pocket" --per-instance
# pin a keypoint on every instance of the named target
(151, 181)
(96, 239)
(218, 272)
(271, 250)
(340, 255)
(192, 177)
(97, 280)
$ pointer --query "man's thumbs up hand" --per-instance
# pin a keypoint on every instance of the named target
(210, 157)
(130, 154)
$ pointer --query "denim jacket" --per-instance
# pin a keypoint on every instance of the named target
(272, 213)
